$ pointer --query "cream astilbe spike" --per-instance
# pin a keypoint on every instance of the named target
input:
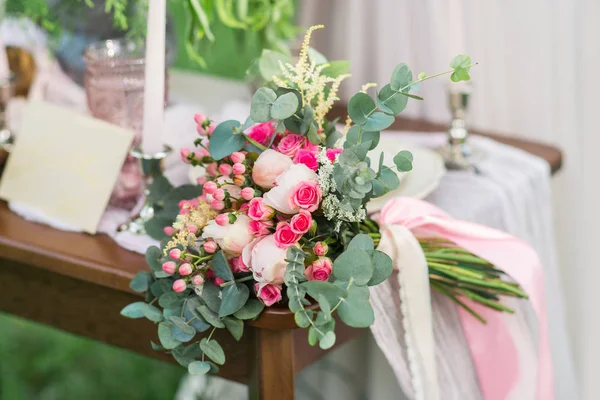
(323, 107)
(347, 126)
(367, 86)
(304, 62)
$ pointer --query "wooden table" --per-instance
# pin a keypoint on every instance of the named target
(79, 283)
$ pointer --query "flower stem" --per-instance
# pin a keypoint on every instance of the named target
(254, 142)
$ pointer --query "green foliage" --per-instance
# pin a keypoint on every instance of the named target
(134, 310)
(355, 310)
(235, 326)
(250, 310)
(213, 350)
(461, 64)
(234, 298)
(220, 266)
(284, 106)
(262, 102)
(225, 140)
(141, 281)
(199, 368)
(403, 161)
(165, 336)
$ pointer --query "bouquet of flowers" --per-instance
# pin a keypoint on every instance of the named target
(282, 219)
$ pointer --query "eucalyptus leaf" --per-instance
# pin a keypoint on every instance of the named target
(225, 141)
(235, 327)
(360, 107)
(141, 281)
(268, 63)
(327, 341)
(172, 199)
(155, 226)
(315, 57)
(356, 311)
(303, 318)
(153, 258)
(390, 101)
(213, 350)
(401, 77)
(284, 106)
(362, 242)
(170, 300)
(353, 264)
(166, 337)
(378, 121)
(403, 161)
(210, 316)
(234, 298)
(211, 296)
(336, 68)
(357, 134)
(331, 292)
(382, 267)
(161, 286)
(250, 310)
(282, 90)
(325, 306)
(158, 188)
(153, 314)
(260, 108)
(180, 323)
(199, 368)
(134, 310)
(220, 266)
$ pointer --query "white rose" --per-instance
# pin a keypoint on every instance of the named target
(269, 165)
(279, 196)
(265, 260)
(231, 238)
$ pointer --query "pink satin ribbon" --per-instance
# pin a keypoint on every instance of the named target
(494, 353)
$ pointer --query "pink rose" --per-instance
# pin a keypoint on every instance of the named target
(320, 249)
(279, 197)
(307, 195)
(258, 211)
(301, 222)
(268, 167)
(320, 270)
(284, 236)
(265, 260)
(308, 158)
(237, 265)
(262, 133)
(260, 228)
(290, 144)
(268, 294)
(332, 153)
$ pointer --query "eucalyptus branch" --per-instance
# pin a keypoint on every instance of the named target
(208, 339)
(254, 142)
(340, 300)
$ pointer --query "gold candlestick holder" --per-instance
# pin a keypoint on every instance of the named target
(7, 87)
(152, 166)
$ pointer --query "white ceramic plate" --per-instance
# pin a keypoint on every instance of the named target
(428, 170)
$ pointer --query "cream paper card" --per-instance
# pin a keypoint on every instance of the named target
(64, 164)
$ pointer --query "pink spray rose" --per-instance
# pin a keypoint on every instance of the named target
(320, 270)
(262, 133)
(268, 167)
(290, 144)
(320, 248)
(237, 265)
(308, 158)
(268, 294)
(281, 195)
(301, 222)
(332, 153)
(307, 195)
(265, 260)
(284, 236)
(258, 211)
(260, 228)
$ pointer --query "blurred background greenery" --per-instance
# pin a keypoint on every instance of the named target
(38, 362)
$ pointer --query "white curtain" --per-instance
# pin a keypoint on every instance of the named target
(537, 78)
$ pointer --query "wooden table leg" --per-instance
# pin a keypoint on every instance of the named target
(272, 377)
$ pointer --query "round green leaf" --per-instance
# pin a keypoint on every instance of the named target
(141, 281)
(153, 314)
(250, 310)
(234, 326)
(153, 256)
(199, 368)
(213, 350)
(378, 121)
(260, 108)
(331, 292)
(361, 241)
(355, 310)
(234, 298)
(359, 108)
(224, 141)
(390, 102)
(403, 161)
(285, 106)
(170, 300)
(220, 266)
(268, 63)
(134, 310)
(401, 77)
(355, 264)
(166, 336)
(211, 296)
(303, 318)
(210, 316)
(382, 267)
(327, 341)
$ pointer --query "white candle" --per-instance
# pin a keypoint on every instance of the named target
(4, 69)
(154, 79)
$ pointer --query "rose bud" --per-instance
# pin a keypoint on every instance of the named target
(238, 169)
(238, 157)
(320, 248)
(210, 246)
(185, 152)
(210, 187)
(179, 285)
(247, 193)
(199, 118)
(169, 267)
(225, 169)
(175, 254)
(198, 280)
(185, 269)
(222, 219)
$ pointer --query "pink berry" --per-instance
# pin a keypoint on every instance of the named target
(169, 267)
(201, 131)
(222, 219)
(211, 169)
(238, 157)
(185, 269)
(199, 155)
(179, 285)
(217, 205)
(198, 280)
(238, 168)
(225, 169)
(247, 193)
(175, 254)
(219, 194)
(210, 246)
(169, 230)
(192, 228)
(210, 130)
(201, 180)
(239, 180)
(199, 118)
(210, 187)
(219, 281)
(185, 152)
